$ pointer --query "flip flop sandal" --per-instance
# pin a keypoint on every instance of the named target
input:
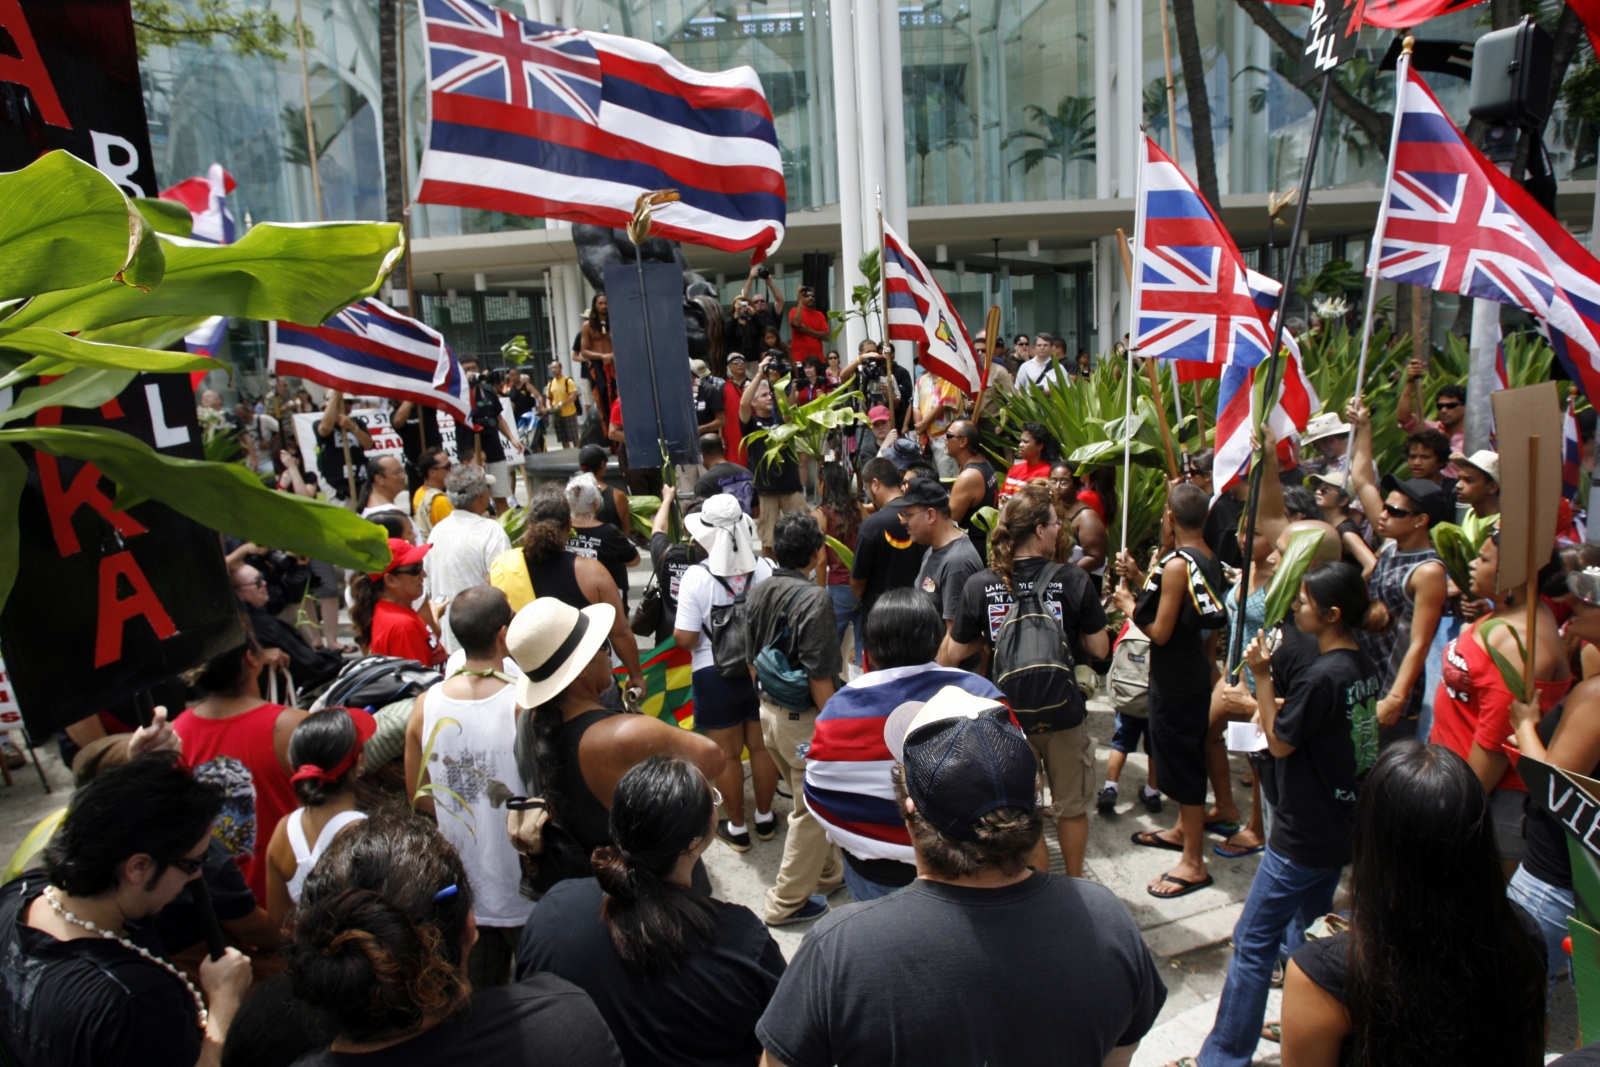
(1187, 886)
(1272, 1032)
(1183, 1061)
(1221, 850)
(1149, 839)
(1223, 827)
(1277, 975)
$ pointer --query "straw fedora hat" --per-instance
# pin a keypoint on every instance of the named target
(552, 642)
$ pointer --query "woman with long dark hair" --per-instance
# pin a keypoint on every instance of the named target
(325, 751)
(679, 977)
(1037, 451)
(380, 948)
(1438, 966)
(595, 352)
(386, 623)
(1325, 737)
(839, 514)
(1080, 520)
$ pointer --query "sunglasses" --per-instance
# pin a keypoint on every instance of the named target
(188, 866)
(412, 571)
(1400, 513)
(1448, 406)
(250, 585)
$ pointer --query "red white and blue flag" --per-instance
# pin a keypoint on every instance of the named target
(1571, 452)
(1456, 224)
(916, 309)
(567, 124)
(848, 788)
(369, 349)
(207, 200)
(1196, 302)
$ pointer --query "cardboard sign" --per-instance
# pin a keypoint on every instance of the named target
(71, 81)
(1529, 498)
(650, 387)
(109, 602)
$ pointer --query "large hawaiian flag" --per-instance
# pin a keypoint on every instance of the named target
(568, 124)
(1458, 225)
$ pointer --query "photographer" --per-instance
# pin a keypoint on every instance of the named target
(808, 327)
(777, 483)
(765, 317)
(490, 422)
(871, 365)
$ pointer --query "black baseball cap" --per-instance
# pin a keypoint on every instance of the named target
(1428, 496)
(905, 453)
(593, 458)
(964, 756)
(925, 493)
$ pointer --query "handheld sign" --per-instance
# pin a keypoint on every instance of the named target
(1529, 495)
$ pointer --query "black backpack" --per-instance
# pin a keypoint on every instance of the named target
(729, 632)
(374, 681)
(1033, 663)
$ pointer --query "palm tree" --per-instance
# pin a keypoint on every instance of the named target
(1194, 89)
(1068, 136)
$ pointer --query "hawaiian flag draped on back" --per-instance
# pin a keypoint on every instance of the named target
(566, 124)
(370, 349)
(1196, 302)
(917, 310)
(1458, 225)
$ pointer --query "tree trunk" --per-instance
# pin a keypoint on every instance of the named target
(1194, 88)
(394, 189)
(1376, 123)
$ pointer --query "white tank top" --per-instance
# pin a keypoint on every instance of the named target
(473, 758)
(306, 854)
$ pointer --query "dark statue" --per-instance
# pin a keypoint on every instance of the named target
(599, 246)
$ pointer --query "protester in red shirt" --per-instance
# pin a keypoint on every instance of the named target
(808, 328)
(386, 623)
(236, 740)
(1035, 453)
(732, 393)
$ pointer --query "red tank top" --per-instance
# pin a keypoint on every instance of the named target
(237, 754)
(1472, 704)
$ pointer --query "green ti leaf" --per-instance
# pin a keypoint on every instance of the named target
(165, 216)
(1510, 673)
(847, 557)
(1292, 567)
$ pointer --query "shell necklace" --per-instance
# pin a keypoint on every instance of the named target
(55, 904)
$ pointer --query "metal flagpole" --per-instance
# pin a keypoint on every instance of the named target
(1274, 362)
(1177, 399)
(1133, 338)
(1375, 253)
(883, 317)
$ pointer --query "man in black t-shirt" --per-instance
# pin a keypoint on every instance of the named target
(487, 424)
(333, 432)
(75, 995)
(981, 959)
(778, 483)
(723, 475)
(886, 556)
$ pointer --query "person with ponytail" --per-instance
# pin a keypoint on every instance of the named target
(679, 977)
(1325, 738)
(325, 751)
(380, 949)
(385, 621)
(238, 741)
(1472, 706)
(1437, 967)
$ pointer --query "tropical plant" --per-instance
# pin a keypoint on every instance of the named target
(1285, 584)
(434, 789)
(516, 351)
(1335, 278)
(864, 297)
(167, 23)
(85, 281)
(1068, 137)
(803, 429)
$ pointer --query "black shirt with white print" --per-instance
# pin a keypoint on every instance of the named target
(985, 600)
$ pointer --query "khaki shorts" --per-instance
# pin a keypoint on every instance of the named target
(771, 508)
(1067, 757)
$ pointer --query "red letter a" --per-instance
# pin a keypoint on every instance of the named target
(63, 504)
(114, 613)
(28, 69)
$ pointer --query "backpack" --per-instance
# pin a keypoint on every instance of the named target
(1033, 663)
(729, 631)
(373, 681)
(783, 684)
(1130, 674)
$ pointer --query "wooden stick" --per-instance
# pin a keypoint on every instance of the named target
(1530, 690)
(991, 330)
(1199, 414)
(1150, 370)
(1172, 99)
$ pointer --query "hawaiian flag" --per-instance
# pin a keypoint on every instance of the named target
(668, 693)
(207, 201)
(917, 310)
(370, 349)
(1456, 224)
(1571, 452)
(567, 124)
(848, 788)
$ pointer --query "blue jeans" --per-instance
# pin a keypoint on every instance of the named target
(1433, 671)
(1550, 906)
(863, 889)
(1283, 893)
(847, 609)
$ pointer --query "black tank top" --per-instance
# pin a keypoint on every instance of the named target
(581, 814)
(980, 539)
(607, 511)
(557, 578)
(1547, 858)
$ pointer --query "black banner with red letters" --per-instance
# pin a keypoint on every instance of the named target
(108, 602)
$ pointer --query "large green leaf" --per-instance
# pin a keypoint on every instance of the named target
(1292, 567)
(161, 331)
(1510, 673)
(165, 216)
(221, 496)
(301, 273)
(13, 476)
(65, 225)
(55, 352)
(81, 387)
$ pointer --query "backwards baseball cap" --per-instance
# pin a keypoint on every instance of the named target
(964, 756)
(924, 493)
(1428, 496)
(1483, 459)
(879, 413)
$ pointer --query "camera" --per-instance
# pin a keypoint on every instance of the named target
(763, 271)
(779, 362)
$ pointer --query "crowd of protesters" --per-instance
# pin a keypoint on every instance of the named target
(891, 654)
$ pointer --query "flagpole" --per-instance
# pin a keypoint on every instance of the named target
(1150, 370)
(1275, 361)
(1133, 338)
(1375, 253)
(991, 328)
(1177, 399)
(883, 315)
